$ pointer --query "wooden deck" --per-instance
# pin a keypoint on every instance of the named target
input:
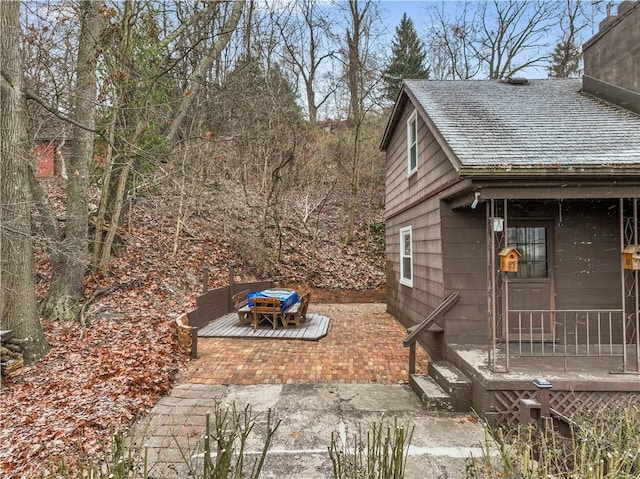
(228, 326)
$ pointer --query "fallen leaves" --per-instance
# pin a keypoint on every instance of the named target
(85, 389)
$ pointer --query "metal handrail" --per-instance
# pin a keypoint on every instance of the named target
(417, 330)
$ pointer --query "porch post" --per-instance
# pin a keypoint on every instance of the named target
(505, 285)
(637, 286)
(491, 286)
(623, 291)
(629, 281)
(232, 276)
(412, 358)
(496, 286)
(205, 278)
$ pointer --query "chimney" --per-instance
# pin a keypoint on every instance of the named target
(612, 58)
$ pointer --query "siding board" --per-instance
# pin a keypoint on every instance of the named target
(412, 305)
(465, 258)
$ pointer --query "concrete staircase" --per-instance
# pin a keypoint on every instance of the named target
(445, 388)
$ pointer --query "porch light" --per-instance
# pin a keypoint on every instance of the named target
(474, 205)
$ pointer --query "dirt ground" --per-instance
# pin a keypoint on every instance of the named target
(341, 296)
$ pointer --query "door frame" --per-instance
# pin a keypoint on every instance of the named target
(548, 224)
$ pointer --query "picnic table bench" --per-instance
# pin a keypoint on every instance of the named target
(241, 305)
(267, 309)
(298, 311)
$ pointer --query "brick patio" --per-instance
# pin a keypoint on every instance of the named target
(364, 344)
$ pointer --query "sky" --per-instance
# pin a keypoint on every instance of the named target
(417, 10)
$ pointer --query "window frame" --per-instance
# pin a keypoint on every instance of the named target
(406, 231)
(412, 144)
(533, 248)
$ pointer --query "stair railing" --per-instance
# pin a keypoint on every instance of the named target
(418, 329)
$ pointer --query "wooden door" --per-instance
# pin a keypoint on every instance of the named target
(531, 288)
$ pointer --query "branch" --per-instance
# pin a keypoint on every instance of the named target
(196, 81)
(56, 113)
(135, 283)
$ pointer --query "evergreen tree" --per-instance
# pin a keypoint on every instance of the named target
(567, 56)
(407, 59)
(565, 60)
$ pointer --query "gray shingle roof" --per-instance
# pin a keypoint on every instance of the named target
(545, 124)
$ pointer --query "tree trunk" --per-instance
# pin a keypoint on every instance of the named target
(71, 257)
(122, 143)
(18, 305)
(356, 108)
(355, 186)
(107, 178)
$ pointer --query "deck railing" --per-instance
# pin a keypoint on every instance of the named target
(567, 333)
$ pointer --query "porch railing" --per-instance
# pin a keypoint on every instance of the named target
(416, 330)
(567, 333)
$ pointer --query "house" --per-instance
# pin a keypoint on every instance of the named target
(548, 173)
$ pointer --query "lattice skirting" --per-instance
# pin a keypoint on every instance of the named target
(569, 403)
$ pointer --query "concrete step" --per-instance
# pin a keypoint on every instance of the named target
(454, 382)
(430, 393)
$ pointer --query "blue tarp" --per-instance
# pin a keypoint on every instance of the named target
(287, 297)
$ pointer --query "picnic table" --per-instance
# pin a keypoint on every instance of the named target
(286, 297)
(275, 305)
(270, 305)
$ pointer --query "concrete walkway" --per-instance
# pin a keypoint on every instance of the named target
(309, 414)
(355, 376)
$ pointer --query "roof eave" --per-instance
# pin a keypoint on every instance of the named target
(396, 113)
(574, 171)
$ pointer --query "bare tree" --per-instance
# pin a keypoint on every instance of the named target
(125, 131)
(577, 17)
(199, 39)
(309, 45)
(48, 55)
(452, 40)
(361, 84)
(514, 35)
(492, 39)
(70, 256)
(18, 307)
(196, 82)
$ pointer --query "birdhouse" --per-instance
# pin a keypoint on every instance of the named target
(509, 259)
(631, 257)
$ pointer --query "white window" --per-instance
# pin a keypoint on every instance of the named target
(412, 144)
(406, 257)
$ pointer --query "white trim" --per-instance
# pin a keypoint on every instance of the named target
(405, 279)
(412, 143)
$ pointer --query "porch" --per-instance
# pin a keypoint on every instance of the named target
(573, 299)
(581, 356)
(580, 385)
